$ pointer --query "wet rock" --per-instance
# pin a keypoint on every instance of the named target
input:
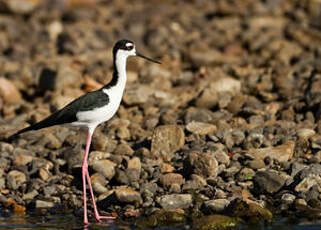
(161, 218)
(175, 201)
(15, 179)
(249, 210)
(216, 206)
(200, 128)
(166, 140)
(127, 195)
(169, 179)
(105, 167)
(216, 222)
(269, 181)
(8, 92)
(203, 164)
(281, 153)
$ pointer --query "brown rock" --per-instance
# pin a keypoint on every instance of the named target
(166, 140)
(203, 164)
(15, 179)
(200, 128)
(98, 182)
(105, 167)
(133, 169)
(281, 153)
(8, 91)
(167, 168)
(22, 159)
(171, 178)
(127, 195)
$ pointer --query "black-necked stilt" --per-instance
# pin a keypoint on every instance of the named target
(92, 109)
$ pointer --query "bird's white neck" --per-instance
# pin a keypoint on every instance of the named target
(120, 65)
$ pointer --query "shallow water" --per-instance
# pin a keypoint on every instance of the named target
(72, 222)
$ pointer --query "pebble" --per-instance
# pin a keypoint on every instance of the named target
(200, 128)
(281, 153)
(127, 195)
(175, 201)
(217, 205)
(166, 140)
(171, 178)
(44, 204)
(105, 167)
(269, 181)
(22, 159)
(203, 164)
(15, 179)
(134, 168)
(98, 182)
(30, 195)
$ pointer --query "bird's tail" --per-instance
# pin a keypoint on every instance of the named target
(47, 122)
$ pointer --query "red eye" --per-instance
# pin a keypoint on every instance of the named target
(130, 47)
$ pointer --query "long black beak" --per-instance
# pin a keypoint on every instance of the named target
(147, 58)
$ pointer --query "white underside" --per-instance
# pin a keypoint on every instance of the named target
(93, 118)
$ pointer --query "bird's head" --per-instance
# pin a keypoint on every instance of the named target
(125, 48)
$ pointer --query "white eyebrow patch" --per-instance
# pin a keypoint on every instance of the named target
(129, 44)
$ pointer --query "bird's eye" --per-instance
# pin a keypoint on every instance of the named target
(130, 47)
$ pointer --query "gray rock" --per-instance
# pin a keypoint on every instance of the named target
(308, 182)
(269, 181)
(175, 201)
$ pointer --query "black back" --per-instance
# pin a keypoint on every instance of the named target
(68, 114)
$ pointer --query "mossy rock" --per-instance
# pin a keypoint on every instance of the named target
(249, 210)
(216, 222)
(161, 218)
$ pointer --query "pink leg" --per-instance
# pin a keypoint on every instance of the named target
(84, 173)
(97, 216)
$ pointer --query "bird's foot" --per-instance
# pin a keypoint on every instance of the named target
(100, 218)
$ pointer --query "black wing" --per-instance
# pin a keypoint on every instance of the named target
(68, 114)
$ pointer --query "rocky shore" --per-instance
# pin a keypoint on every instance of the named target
(227, 130)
